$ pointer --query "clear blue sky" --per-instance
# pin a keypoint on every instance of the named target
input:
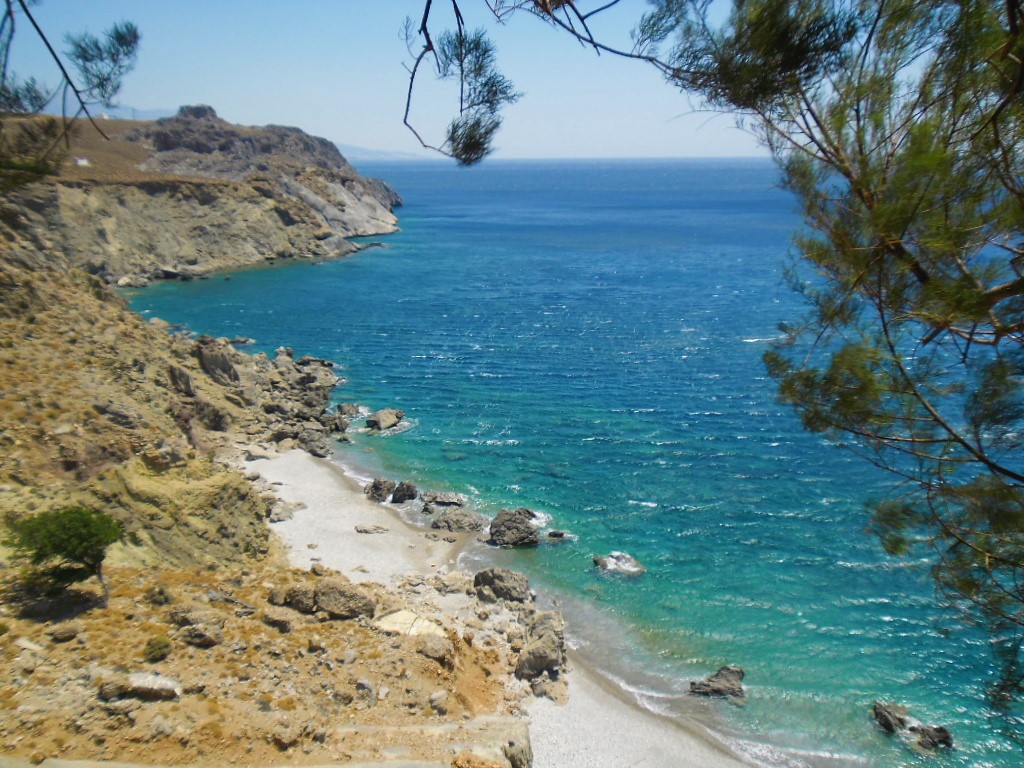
(335, 68)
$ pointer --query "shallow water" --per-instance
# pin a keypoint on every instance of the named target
(584, 338)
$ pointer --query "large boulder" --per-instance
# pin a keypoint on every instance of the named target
(544, 652)
(384, 419)
(493, 584)
(301, 597)
(514, 528)
(727, 682)
(379, 489)
(619, 562)
(459, 520)
(404, 491)
(343, 600)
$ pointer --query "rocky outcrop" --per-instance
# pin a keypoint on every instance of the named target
(191, 195)
(544, 653)
(514, 528)
(726, 682)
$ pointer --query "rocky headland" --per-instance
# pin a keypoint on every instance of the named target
(189, 195)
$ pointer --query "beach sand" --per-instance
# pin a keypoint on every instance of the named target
(596, 728)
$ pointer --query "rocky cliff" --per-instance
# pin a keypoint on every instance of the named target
(186, 196)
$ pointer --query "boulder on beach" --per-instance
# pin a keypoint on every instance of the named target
(514, 528)
(727, 682)
(619, 562)
(379, 489)
(459, 520)
(405, 491)
(384, 419)
(493, 584)
(544, 652)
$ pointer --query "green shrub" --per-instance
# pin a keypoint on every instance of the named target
(157, 649)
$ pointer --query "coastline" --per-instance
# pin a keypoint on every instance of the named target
(586, 729)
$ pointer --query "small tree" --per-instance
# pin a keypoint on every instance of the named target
(72, 542)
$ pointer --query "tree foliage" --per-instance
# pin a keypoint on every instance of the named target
(898, 128)
(68, 544)
(31, 148)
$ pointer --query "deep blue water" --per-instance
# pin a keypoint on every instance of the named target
(585, 339)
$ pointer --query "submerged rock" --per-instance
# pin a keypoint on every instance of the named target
(384, 419)
(514, 528)
(620, 562)
(727, 681)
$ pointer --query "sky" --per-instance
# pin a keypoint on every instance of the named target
(336, 68)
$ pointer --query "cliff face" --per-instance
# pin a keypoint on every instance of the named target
(190, 195)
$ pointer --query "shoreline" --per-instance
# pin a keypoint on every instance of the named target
(584, 730)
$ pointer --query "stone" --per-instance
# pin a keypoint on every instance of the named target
(620, 562)
(141, 685)
(286, 736)
(343, 600)
(200, 635)
(727, 682)
(405, 622)
(348, 410)
(379, 489)
(405, 491)
(923, 739)
(931, 738)
(277, 620)
(437, 648)
(519, 753)
(277, 596)
(545, 654)
(301, 597)
(438, 701)
(365, 689)
(64, 633)
(514, 528)
(458, 520)
(384, 419)
(27, 645)
(445, 498)
(891, 718)
(493, 584)
(215, 359)
(371, 529)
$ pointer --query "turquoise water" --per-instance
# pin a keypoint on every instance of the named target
(584, 338)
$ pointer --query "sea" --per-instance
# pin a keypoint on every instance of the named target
(585, 339)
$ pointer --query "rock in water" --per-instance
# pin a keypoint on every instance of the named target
(380, 489)
(514, 528)
(923, 739)
(493, 584)
(384, 419)
(445, 499)
(405, 491)
(620, 562)
(727, 681)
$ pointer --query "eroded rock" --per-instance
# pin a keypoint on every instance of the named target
(493, 584)
(514, 528)
(726, 682)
